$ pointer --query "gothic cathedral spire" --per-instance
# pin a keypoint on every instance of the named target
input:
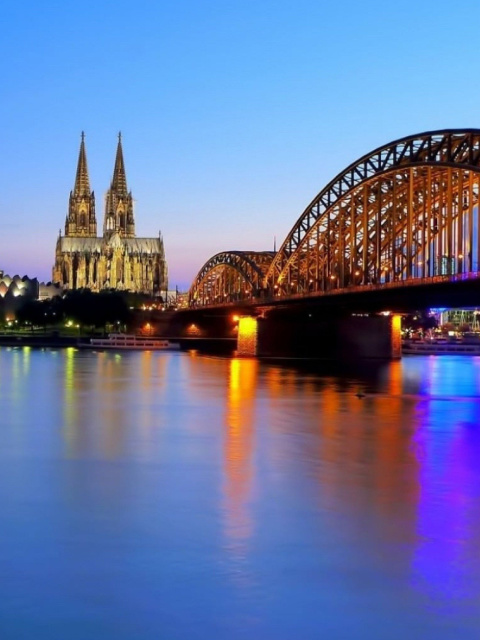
(119, 202)
(119, 181)
(82, 183)
(81, 219)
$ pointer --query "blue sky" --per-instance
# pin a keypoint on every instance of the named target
(233, 114)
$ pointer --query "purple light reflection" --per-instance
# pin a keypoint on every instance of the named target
(447, 445)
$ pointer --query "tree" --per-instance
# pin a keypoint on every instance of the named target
(420, 321)
(96, 309)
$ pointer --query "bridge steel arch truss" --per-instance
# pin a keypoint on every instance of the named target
(230, 276)
(407, 210)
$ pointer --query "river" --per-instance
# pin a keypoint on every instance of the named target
(149, 495)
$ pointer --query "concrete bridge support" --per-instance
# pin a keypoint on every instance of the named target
(370, 337)
(247, 340)
(349, 337)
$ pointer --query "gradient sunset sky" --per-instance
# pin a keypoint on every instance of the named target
(233, 114)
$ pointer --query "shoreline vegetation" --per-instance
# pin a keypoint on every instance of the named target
(77, 316)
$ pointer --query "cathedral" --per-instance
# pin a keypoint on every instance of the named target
(117, 259)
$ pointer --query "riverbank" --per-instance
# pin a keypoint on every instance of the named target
(52, 341)
(18, 340)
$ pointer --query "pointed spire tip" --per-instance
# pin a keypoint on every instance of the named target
(82, 184)
(119, 180)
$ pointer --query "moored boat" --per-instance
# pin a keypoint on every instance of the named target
(440, 348)
(130, 341)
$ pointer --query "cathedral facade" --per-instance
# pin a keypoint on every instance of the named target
(117, 259)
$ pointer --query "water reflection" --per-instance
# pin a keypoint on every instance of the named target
(447, 442)
(92, 417)
(72, 435)
(293, 499)
(238, 451)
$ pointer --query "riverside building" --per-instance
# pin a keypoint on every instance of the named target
(116, 260)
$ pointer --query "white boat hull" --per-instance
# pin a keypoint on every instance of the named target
(435, 349)
(132, 342)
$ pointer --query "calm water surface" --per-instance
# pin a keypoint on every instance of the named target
(173, 496)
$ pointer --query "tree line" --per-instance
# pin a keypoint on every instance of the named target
(81, 307)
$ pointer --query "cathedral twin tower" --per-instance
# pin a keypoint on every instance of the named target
(116, 260)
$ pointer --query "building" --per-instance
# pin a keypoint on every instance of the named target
(14, 293)
(117, 259)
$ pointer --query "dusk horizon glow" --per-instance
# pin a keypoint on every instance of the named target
(232, 117)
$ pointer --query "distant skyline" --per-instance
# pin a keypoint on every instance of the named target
(233, 114)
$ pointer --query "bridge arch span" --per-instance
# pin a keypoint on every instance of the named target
(230, 276)
(408, 209)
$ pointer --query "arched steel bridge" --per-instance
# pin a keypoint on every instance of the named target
(231, 276)
(406, 212)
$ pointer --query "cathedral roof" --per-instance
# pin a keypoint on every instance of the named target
(143, 245)
(72, 244)
(99, 245)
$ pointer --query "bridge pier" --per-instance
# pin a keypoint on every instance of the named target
(247, 340)
(349, 337)
(370, 337)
